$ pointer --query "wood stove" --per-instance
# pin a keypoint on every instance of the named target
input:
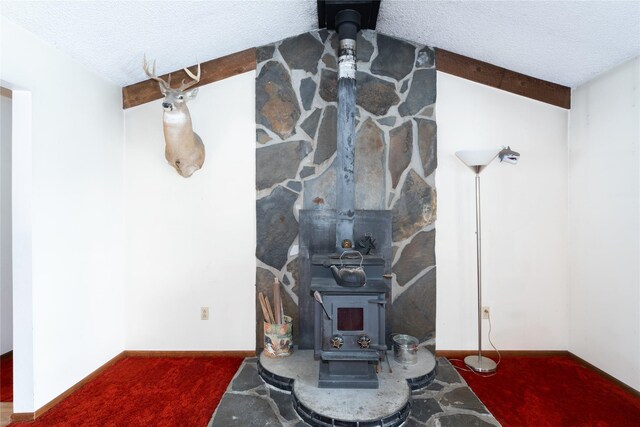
(349, 337)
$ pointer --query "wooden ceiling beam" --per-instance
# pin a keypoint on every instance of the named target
(212, 71)
(501, 78)
(447, 62)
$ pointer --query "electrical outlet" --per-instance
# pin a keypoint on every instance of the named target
(485, 312)
(204, 313)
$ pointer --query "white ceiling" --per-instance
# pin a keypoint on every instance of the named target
(566, 42)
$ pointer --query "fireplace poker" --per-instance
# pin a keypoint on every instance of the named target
(386, 356)
(318, 298)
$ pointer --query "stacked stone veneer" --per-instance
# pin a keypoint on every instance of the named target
(395, 160)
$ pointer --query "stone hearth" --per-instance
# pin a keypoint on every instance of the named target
(388, 405)
(447, 401)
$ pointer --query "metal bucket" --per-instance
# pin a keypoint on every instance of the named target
(278, 338)
(405, 349)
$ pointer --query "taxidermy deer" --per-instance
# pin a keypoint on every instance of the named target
(184, 149)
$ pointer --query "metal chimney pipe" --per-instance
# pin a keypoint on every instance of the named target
(347, 26)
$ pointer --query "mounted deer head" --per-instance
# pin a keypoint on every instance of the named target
(184, 149)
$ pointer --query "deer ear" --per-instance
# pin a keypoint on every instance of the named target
(191, 94)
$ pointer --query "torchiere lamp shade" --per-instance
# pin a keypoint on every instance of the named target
(477, 159)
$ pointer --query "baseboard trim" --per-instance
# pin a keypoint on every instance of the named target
(23, 416)
(461, 354)
(588, 365)
(30, 416)
(186, 353)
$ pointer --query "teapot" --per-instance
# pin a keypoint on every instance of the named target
(352, 277)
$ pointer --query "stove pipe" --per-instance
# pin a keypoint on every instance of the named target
(347, 26)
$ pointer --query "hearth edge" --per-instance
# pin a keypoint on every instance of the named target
(416, 377)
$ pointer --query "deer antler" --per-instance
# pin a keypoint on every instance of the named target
(163, 85)
(196, 79)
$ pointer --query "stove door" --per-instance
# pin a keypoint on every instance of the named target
(354, 324)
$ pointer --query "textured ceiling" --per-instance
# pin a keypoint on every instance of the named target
(566, 42)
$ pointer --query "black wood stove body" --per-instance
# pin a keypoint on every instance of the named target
(349, 331)
(355, 329)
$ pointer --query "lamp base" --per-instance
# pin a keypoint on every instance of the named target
(480, 363)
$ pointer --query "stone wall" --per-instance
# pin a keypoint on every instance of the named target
(395, 166)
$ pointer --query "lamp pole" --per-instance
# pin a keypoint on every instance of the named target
(479, 363)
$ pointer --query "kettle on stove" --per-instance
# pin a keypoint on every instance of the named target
(352, 277)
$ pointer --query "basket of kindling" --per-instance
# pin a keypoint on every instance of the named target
(278, 337)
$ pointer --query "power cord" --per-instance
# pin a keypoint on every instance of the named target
(460, 368)
(491, 342)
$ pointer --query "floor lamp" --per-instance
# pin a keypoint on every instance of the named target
(477, 160)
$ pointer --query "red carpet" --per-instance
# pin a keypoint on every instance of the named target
(553, 391)
(181, 391)
(6, 377)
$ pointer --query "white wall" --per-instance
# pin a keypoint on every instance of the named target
(604, 219)
(76, 224)
(6, 280)
(191, 242)
(524, 220)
